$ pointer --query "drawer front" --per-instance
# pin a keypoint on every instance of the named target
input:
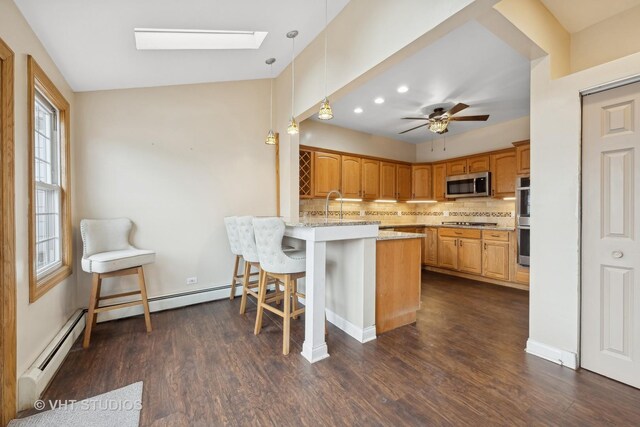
(499, 236)
(467, 233)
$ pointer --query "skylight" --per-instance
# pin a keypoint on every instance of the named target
(165, 39)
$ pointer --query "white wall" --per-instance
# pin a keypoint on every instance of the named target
(39, 322)
(481, 140)
(175, 160)
(331, 137)
(555, 201)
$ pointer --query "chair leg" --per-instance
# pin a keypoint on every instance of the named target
(287, 315)
(234, 278)
(294, 297)
(145, 302)
(262, 294)
(97, 304)
(91, 314)
(245, 287)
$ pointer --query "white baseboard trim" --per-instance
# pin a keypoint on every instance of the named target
(362, 335)
(553, 354)
(168, 302)
(33, 382)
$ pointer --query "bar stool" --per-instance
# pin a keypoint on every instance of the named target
(275, 263)
(231, 225)
(250, 256)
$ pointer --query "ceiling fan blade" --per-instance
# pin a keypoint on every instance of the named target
(409, 130)
(482, 118)
(456, 109)
(415, 118)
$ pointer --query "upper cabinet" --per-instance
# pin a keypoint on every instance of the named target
(457, 167)
(439, 176)
(370, 179)
(403, 182)
(480, 163)
(467, 165)
(351, 177)
(523, 157)
(327, 173)
(503, 173)
(366, 178)
(422, 182)
(388, 180)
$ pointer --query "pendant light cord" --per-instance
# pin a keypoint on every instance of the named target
(326, 30)
(293, 72)
(271, 101)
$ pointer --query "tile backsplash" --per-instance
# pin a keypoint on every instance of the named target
(470, 210)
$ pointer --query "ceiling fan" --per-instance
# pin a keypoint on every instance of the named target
(438, 121)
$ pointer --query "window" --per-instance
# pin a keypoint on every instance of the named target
(49, 203)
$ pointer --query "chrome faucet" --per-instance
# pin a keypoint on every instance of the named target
(326, 205)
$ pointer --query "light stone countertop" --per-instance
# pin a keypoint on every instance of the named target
(321, 222)
(397, 235)
(476, 227)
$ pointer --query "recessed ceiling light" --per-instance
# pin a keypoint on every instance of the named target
(379, 100)
(165, 39)
(358, 110)
(403, 89)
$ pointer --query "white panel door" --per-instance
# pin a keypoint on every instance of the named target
(610, 245)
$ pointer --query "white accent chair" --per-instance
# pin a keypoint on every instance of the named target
(276, 264)
(231, 224)
(108, 253)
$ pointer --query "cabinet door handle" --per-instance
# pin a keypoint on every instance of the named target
(460, 243)
(485, 246)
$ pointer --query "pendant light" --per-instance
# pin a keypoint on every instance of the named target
(325, 108)
(271, 136)
(292, 129)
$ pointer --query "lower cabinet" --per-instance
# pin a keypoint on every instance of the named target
(470, 256)
(496, 260)
(486, 253)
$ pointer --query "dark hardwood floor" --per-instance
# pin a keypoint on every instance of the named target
(461, 363)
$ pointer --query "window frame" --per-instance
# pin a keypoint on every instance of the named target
(39, 82)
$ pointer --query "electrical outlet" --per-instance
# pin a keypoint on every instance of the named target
(192, 280)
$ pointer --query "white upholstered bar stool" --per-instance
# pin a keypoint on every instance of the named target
(231, 225)
(286, 267)
(250, 255)
(108, 253)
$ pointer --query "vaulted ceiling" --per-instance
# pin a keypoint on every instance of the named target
(578, 15)
(92, 42)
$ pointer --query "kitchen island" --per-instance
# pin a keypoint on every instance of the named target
(340, 279)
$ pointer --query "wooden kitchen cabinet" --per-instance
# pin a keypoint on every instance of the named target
(327, 173)
(430, 246)
(439, 181)
(470, 256)
(495, 257)
(388, 180)
(477, 164)
(403, 182)
(503, 174)
(370, 179)
(351, 177)
(457, 167)
(448, 252)
(422, 182)
(523, 157)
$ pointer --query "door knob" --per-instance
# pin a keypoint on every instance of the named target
(617, 254)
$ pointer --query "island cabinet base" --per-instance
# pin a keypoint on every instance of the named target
(398, 270)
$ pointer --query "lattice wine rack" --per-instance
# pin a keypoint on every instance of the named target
(306, 174)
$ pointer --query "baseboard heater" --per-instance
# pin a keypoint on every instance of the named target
(33, 382)
(36, 379)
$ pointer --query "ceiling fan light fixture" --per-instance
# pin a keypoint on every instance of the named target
(325, 110)
(439, 125)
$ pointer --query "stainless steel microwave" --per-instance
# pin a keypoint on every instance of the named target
(471, 185)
